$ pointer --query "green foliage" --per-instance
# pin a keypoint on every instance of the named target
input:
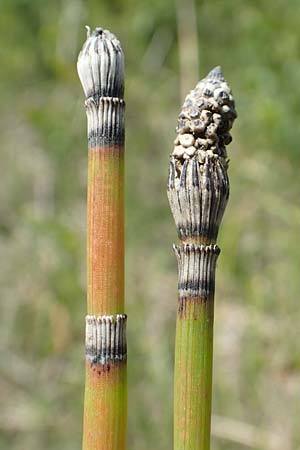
(42, 217)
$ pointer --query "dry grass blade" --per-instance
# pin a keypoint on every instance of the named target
(248, 435)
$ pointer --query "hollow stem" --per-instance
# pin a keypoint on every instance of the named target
(194, 346)
(198, 191)
(101, 71)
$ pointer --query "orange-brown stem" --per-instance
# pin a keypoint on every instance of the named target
(105, 403)
(101, 71)
(105, 231)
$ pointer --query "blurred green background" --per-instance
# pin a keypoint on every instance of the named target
(168, 46)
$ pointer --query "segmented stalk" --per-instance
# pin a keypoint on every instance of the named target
(101, 72)
(198, 191)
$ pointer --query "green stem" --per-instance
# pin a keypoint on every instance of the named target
(193, 376)
(198, 191)
(194, 346)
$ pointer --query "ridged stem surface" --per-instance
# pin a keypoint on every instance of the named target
(101, 71)
(193, 376)
(105, 230)
(198, 191)
(194, 346)
(105, 404)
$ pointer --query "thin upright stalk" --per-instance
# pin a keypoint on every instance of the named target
(101, 71)
(188, 48)
(198, 191)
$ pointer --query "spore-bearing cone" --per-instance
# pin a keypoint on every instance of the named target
(198, 185)
(206, 118)
(101, 65)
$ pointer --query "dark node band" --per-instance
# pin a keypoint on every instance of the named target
(106, 339)
(105, 121)
(196, 270)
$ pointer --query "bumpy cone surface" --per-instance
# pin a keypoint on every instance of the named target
(198, 186)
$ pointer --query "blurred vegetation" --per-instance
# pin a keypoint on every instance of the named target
(42, 218)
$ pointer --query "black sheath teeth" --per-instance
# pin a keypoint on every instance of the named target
(106, 339)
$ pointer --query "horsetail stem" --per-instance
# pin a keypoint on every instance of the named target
(198, 191)
(101, 72)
